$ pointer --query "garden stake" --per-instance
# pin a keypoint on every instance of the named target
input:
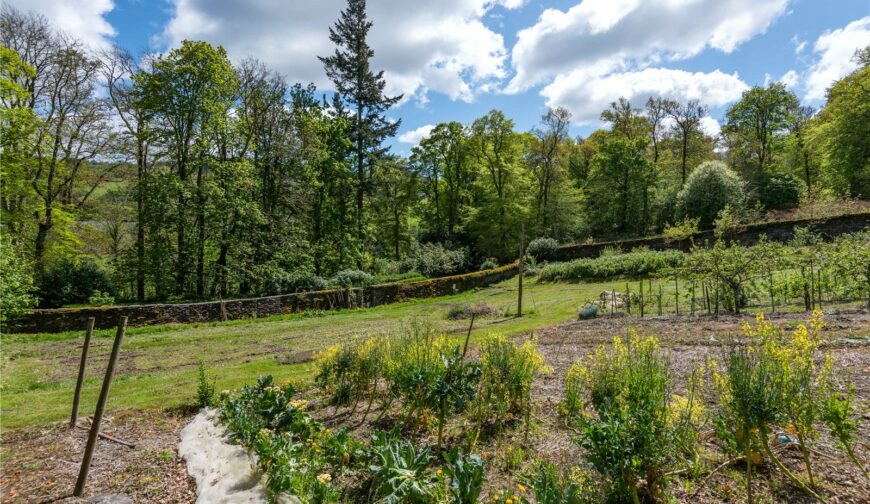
(660, 300)
(101, 406)
(819, 285)
(78, 393)
(693, 298)
(468, 336)
(627, 299)
(641, 298)
(676, 295)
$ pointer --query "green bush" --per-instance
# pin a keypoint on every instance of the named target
(637, 263)
(780, 191)
(436, 260)
(638, 430)
(302, 282)
(543, 249)
(205, 388)
(352, 278)
(489, 263)
(16, 281)
(72, 282)
(709, 188)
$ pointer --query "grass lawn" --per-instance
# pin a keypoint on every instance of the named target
(158, 365)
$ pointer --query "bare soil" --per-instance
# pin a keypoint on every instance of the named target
(41, 464)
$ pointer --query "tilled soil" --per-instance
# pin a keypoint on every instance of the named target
(41, 464)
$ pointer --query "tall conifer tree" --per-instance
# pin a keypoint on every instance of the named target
(363, 91)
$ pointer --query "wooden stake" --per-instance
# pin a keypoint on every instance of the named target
(520, 284)
(677, 295)
(660, 300)
(78, 393)
(101, 407)
(641, 298)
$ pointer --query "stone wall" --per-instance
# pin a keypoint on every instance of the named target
(747, 235)
(69, 319)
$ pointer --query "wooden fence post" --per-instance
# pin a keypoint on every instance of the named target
(78, 393)
(660, 300)
(677, 294)
(520, 275)
(94, 433)
(641, 298)
(627, 299)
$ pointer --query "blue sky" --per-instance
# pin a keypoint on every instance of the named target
(457, 59)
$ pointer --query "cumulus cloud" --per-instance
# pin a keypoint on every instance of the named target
(586, 94)
(603, 36)
(835, 50)
(790, 79)
(82, 19)
(414, 136)
(440, 46)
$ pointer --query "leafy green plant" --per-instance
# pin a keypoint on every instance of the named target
(71, 282)
(99, 298)
(507, 373)
(637, 432)
(838, 411)
(205, 388)
(637, 263)
(466, 474)
(16, 280)
(400, 471)
(682, 230)
(543, 249)
(352, 278)
(489, 263)
(553, 487)
(709, 188)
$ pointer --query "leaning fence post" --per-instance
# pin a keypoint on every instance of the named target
(98, 413)
(78, 393)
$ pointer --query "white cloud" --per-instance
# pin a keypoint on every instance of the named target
(82, 19)
(440, 46)
(414, 136)
(710, 126)
(587, 95)
(790, 79)
(835, 50)
(603, 36)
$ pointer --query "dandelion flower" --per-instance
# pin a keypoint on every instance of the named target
(521, 487)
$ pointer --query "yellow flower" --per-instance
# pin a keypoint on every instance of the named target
(299, 403)
(521, 487)
(508, 501)
(324, 478)
(439, 472)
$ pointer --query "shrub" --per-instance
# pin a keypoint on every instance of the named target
(708, 189)
(16, 280)
(435, 260)
(638, 428)
(780, 191)
(72, 282)
(101, 299)
(352, 278)
(543, 249)
(638, 263)
(489, 263)
(683, 230)
(350, 373)
(507, 373)
(762, 387)
(302, 282)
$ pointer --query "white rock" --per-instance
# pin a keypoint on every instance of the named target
(224, 472)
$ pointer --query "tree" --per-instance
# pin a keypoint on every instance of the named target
(842, 129)
(362, 89)
(546, 162)
(618, 174)
(189, 92)
(395, 193)
(625, 120)
(442, 163)
(16, 280)
(687, 117)
(758, 121)
(138, 139)
(496, 150)
(802, 149)
(710, 188)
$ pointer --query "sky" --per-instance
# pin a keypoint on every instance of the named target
(458, 59)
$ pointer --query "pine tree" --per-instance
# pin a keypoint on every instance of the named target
(363, 92)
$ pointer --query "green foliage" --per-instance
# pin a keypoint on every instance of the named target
(400, 471)
(553, 487)
(72, 282)
(780, 191)
(301, 282)
(507, 373)
(543, 248)
(16, 282)
(435, 260)
(205, 388)
(638, 263)
(489, 263)
(99, 298)
(709, 188)
(638, 431)
(683, 230)
(838, 410)
(466, 473)
(352, 278)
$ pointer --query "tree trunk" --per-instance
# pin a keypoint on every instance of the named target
(140, 227)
